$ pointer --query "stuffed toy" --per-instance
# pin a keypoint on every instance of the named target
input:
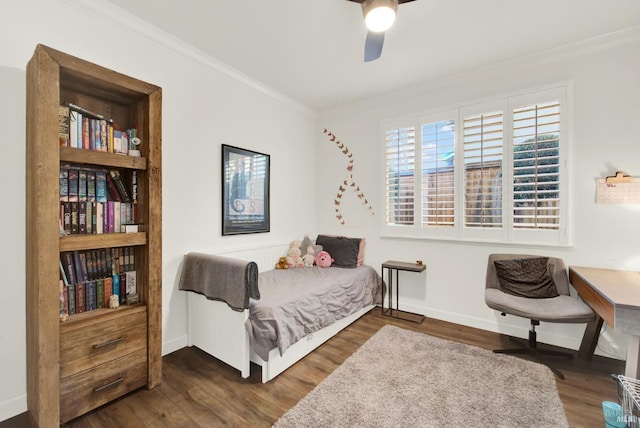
(309, 258)
(323, 259)
(294, 259)
(282, 263)
(113, 301)
(304, 245)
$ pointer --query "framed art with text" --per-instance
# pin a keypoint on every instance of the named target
(245, 191)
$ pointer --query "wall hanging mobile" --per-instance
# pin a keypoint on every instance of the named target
(348, 182)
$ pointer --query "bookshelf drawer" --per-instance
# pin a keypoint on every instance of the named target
(90, 389)
(95, 344)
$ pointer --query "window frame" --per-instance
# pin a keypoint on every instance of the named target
(507, 234)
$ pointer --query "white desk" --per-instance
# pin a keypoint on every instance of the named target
(614, 295)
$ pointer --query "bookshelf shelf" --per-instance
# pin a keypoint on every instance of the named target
(93, 157)
(105, 240)
(101, 354)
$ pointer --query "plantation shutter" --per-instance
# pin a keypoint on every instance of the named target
(536, 166)
(400, 157)
(483, 156)
(438, 192)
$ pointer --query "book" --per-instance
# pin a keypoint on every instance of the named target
(64, 302)
(90, 296)
(74, 217)
(82, 185)
(131, 282)
(63, 125)
(90, 218)
(80, 297)
(120, 186)
(82, 217)
(91, 265)
(68, 266)
(71, 298)
(73, 129)
(116, 217)
(63, 275)
(86, 143)
(112, 192)
(99, 293)
(66, 216)
(103, 135)
(117, 141)
(87, 112)
(134, 186)
(108, 290)
(101, 186)
(84, 275)
(115, 282)
(72, 189)
(123, 288)
(64, 184)
(109, 217)
(99, 217)
(79, 129)
(91, 185)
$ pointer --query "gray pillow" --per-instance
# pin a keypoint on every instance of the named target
(528, 277)
(343, 250)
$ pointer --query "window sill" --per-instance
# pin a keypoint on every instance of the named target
(483, 242)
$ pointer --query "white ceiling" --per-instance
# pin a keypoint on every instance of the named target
(312, 50)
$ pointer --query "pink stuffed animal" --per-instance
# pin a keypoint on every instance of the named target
(323, 259)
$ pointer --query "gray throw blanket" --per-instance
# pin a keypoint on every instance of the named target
(230, 280)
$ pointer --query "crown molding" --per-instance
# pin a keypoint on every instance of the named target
(107, 11)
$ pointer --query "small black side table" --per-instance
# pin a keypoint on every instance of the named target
(391, 265)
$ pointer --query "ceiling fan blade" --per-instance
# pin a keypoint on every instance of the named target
(373, 46)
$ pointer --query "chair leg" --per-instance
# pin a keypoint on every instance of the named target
(531, 348)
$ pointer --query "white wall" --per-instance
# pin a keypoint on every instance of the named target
(204, 105)
(605, 139)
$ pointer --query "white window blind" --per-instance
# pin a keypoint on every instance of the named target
(483, 155)
(489, 171)
(536, 166)
(438, 156)
(400, 186)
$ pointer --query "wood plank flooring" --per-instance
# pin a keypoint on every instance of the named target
(199, 391)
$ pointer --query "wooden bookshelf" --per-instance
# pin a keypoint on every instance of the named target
(96, 356)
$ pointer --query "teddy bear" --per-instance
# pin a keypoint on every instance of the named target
(309, 258)
(282, 263)
(294, 259)
(323, 259)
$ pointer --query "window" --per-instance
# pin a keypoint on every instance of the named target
(490, 171)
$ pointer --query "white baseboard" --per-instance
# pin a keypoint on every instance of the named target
(174, 344)
(551, 338)
(13, 406)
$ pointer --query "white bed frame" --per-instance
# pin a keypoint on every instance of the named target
(220, 331)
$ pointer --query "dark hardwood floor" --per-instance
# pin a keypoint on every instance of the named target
(199, 391)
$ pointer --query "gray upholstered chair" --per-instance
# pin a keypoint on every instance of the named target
(560, 309)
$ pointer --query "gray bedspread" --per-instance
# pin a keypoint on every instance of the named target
(297, 302)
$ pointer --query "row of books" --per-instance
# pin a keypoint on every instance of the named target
(86, 218)
(83, 129)
(81, 266)
(97, 185)
(91, 277)
(92, 295)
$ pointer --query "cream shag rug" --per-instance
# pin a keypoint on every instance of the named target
(400, 378)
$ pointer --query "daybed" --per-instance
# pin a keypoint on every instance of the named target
(289, 314)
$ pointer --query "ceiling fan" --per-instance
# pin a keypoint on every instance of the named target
(378, 16)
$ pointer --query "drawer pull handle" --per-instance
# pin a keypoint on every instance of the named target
(108, 342)
(109, 385)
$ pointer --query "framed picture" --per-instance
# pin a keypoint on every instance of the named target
(245, 191)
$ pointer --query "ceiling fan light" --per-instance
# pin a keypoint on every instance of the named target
(379, 15)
